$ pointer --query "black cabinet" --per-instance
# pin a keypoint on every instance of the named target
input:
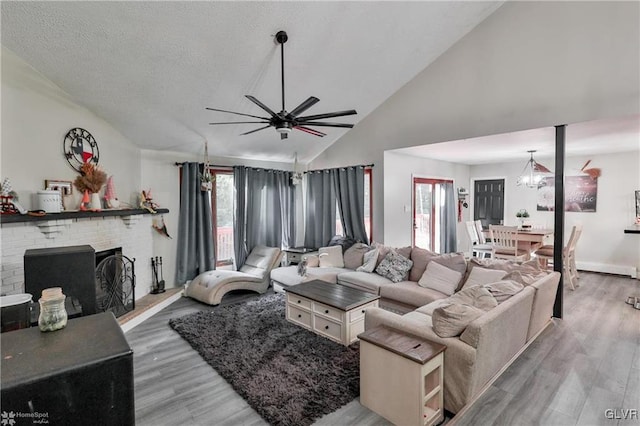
(80, 375)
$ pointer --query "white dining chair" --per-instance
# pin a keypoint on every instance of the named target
(479, 249)
(545, 257)
(504, 243)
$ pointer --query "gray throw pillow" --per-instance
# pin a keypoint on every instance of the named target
(394, 267)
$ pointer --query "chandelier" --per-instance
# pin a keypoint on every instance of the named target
(533, 174)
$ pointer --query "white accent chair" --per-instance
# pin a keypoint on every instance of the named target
(545, 256)
(478, 244)
(504, 242)
(209, 287)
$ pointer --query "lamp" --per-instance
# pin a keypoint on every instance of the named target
(532, 175)
(296, 176)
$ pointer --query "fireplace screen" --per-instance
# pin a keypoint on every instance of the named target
(115, 282)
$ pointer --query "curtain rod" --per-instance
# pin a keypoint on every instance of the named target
(343, 167)
(213, 166)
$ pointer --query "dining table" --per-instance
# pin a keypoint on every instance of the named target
(529, 239)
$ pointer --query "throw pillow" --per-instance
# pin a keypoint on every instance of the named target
(440, 278)
(370, 259)
(451, 320)
(313, 261)
(394, 266)
(354, 256)
(476, 296)
(524, 278)
(331, 257)
(384, 250)
(502, 290)
(482, 276)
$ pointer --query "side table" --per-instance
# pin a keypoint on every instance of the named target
(408, 390)
(293, 255)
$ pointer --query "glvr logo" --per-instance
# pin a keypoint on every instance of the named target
(621, 413)
(8, 419)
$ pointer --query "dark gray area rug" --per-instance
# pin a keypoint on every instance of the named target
(289, 375)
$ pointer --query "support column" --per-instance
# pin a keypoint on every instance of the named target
(558, 215)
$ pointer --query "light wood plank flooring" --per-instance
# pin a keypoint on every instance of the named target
(570, 375)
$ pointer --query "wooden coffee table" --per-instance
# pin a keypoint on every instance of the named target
(333, 311)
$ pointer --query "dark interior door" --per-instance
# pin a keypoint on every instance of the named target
(488, 202)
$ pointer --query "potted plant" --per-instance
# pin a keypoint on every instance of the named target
(522, 214)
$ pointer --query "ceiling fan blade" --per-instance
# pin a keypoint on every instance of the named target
(256, 130)
(304, 106)
(310, 131)
(240, 122)
(238, 113)
(327, 115)
(323, 124)
(261, 105)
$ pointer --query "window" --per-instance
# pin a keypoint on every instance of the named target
(222, 196)
(368, 201)
(428, 198)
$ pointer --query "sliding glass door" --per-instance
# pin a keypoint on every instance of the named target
(222, 210)
(428, 198)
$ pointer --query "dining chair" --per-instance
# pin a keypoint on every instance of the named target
(479, 249)
(545, 257)
(504, 243)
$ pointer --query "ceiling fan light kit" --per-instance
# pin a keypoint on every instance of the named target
(284, 122)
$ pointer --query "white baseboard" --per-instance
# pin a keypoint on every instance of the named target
(150, 312)
(607, 269)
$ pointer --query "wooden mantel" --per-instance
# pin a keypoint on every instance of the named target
(18, 218)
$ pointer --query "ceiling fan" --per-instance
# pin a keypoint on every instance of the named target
(285, 121)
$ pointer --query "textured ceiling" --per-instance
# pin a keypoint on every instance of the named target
(589, 138)
(150, 68)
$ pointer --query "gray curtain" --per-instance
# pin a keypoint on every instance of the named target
(349, 185)
(320, 220)
(240, 214)
(265, 217)
(448, 222)
(196, 250)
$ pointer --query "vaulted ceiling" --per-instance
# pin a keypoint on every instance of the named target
(151, 68)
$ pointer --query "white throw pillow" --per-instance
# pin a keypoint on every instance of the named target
(440, 278)
(369, 261)
(482, 276)
(331, 257)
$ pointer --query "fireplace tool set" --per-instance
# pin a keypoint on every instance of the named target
(157, 285)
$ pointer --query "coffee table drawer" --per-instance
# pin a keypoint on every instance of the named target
(327, 311)
(299, 316)
(298, 301)
(329, 328)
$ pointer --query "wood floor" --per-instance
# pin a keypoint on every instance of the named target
(578, 368)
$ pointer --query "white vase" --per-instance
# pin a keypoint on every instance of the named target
(96, 203)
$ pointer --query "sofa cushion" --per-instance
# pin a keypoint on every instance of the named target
(439, 277)
(353, 257)
(369, 261)
(530, 266)
(331, 257)
(288, 275)
(477, 296)
(525, 278)
(502, 290)
(451, 320)
(482, 276)
(395, 267)
(365, 281)
(410, 293)
(313, 261)
(420, 257)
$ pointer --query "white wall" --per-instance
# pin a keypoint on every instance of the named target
(603, 246)
(399, 171)
(36, 115)
(528, 65)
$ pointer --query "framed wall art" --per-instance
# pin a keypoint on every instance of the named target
(580, 194)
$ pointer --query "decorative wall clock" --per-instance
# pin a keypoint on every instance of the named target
(80, 147)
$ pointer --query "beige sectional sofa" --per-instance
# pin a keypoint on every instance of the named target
(485, 346)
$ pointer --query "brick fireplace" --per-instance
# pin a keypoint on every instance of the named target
(134, 234)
